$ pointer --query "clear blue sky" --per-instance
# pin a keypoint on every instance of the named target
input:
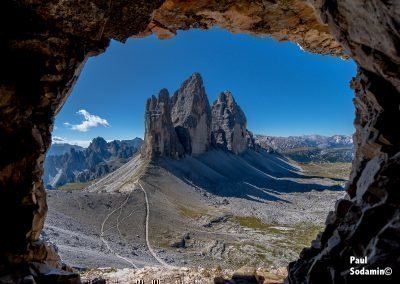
(282, 89)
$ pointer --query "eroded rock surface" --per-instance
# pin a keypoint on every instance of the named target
(292, 20)
(186, 124)
(191, 115)
(368, 223)
(160, 137)
(229, 124)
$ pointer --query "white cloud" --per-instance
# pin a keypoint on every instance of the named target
(62, 140)
(89, 121)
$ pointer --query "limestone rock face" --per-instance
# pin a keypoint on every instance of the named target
(228, 124)
(160, 138)
(186, 125)
(191, 116)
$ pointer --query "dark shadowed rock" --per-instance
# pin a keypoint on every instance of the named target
(228, 124)
(252, 142)
(191, 115)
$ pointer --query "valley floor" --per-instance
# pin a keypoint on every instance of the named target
(253, 210)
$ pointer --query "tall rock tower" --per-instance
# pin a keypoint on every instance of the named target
(229, 130)
(191, 116)
(187, 125)
(160, 138)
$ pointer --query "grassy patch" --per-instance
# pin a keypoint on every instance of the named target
(192, 212)
(286, 241)
(251, 222)
(327, 170)
(74, 186)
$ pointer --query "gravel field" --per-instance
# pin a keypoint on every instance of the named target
(256, 209)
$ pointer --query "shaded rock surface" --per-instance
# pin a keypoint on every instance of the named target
(229, 124)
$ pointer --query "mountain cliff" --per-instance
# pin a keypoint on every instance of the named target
(228, 124)
(191, 115)
(186, 124)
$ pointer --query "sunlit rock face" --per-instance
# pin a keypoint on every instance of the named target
(44, 44)
(191, 116)
(292, 20)
(160, 137)
(186, 125)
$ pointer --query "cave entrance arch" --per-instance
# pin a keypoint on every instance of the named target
(118, 72)
(44, 45)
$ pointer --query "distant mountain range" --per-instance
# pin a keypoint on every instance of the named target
(311, 148)
(67, 163)
(62, 148)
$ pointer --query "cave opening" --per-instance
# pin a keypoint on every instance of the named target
(45, 44)
(297, 104)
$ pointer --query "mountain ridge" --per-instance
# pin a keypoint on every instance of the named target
(85, 164)
(311, 148)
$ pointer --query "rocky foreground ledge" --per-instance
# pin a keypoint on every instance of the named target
(185, 275)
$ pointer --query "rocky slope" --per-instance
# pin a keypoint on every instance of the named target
(82, 165)
(214, 209)
(232, 204)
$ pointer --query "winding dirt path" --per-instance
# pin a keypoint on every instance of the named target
(161, 261)
(102, 232)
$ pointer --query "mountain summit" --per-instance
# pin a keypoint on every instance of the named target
(191, 115)
(187, 125)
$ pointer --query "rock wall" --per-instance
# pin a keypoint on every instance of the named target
(284, 20)
(44, 44)
(229, 124)
(186, 125)
(191, 115)
(160, 138)
(367, 223)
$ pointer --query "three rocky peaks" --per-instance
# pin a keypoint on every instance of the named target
(186, 124)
